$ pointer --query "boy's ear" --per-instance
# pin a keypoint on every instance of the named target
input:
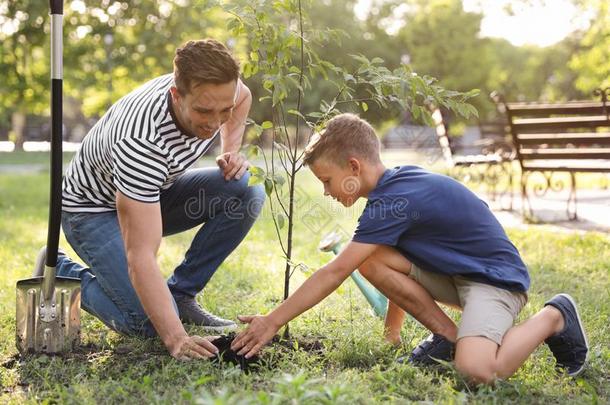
(355, 166)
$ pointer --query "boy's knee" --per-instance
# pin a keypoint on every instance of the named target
(475, 371)
(367, 269)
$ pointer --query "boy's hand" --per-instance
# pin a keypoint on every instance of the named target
(257, 334)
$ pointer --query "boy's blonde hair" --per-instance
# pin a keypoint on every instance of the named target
(345, 136)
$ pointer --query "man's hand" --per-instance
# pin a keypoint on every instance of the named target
(193, 347)
(257, 334)
(233, 165)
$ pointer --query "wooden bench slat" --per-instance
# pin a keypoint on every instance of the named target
(566, 168)
(582, 138)
(537, 124)
(578, 108)
(475, 159)
(562, 153)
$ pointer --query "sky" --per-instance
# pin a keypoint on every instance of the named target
(543, 23)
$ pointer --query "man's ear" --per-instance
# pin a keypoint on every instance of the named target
(355, 166)
(175, 94)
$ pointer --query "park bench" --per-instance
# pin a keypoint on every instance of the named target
(492, 167)
(569, 137)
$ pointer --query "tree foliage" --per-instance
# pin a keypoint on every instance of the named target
(284, 52)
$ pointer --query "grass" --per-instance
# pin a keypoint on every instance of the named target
(355, 366)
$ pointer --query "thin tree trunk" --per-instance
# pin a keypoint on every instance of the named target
(18, 120)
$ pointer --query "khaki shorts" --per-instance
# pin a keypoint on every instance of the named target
(487, 311)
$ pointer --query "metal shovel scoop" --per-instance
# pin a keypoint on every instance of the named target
(48, 307)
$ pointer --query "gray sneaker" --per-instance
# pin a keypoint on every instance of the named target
(192, 313)
(41, 258)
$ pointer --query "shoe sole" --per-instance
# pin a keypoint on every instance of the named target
(582, 331)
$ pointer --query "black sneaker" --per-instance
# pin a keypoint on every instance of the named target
(191, 312)
(434, 347)
(569, 346)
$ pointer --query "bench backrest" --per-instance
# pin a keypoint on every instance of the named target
(571, 136)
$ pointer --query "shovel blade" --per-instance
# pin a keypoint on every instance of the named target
(48, 326)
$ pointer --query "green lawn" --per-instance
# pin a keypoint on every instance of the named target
(354, 365)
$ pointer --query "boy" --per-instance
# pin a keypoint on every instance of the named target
(423, 238)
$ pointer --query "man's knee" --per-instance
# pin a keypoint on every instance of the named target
(253, 196)
(239, 189)
(139, 324)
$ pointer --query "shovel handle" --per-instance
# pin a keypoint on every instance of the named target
(57, 6)
(55, 192)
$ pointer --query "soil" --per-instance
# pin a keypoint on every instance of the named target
(312, 346)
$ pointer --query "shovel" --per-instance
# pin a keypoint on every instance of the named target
(377, 301)
(48, 317)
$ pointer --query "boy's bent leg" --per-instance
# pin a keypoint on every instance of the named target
(483, 360)
(106, 290)
(488, 346)
(227, 209)
(388, 270)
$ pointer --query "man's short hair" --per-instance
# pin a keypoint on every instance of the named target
(203, 61)
(345, 136)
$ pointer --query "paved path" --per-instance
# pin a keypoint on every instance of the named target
(593, 209)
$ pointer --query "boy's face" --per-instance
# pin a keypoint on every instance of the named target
(341, 183)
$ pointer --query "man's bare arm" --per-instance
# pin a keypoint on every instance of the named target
(141, 228)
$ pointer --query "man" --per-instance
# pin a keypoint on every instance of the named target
(128, 186)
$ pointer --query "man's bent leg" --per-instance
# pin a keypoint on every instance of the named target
(106, 290)
(227, 210)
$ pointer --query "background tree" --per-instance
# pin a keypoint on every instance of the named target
(591, 62)
(24, 66)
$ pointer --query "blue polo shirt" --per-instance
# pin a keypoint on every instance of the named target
(440, 226)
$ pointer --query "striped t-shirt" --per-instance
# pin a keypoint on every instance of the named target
(137, 147)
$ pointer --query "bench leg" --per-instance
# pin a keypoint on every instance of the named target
(571, 205)
(526, 207)
(508, 169)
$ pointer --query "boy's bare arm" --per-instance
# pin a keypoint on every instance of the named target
(311, 292)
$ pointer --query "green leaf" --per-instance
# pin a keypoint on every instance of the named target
(297, 113)
(254, 179)
(268, 186)
(267, 125)
(252, 151)
(281, 220)
(258, 130)
(257, 171)
(365, 106)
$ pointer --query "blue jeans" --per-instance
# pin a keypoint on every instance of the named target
(227, 210)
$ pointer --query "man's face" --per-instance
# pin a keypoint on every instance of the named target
(205, 108)
(341, 183)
